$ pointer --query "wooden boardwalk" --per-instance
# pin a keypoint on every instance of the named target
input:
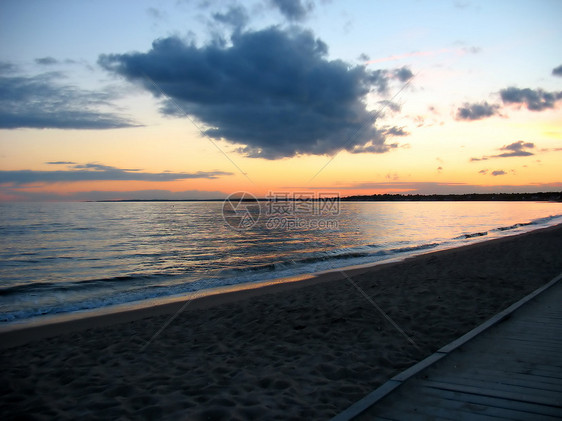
(508, 368)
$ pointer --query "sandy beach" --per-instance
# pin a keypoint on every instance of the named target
(303, 350)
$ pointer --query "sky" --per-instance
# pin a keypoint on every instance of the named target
(199, 99)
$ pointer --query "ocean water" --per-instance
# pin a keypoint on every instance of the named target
(58, 258)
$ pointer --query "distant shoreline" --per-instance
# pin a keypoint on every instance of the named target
(471, 197)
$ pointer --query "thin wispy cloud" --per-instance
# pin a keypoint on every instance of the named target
(43, 102)
(427, 53)
(515, 149)
(98, 172)
(20, 194)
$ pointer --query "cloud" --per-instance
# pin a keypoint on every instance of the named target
(517, 146)
(293, 9)
(534, 100)
(461, 4)
(156, 14)
(395, 131)
(471, 50)
(374, 147)
(156, 194)
(498, 172)
(6, 67)
(40, 102)
(557, 71)
(273, 91)
(236, 17)
(515, 149)
(403, 74)
(393, 106)
(477, 111)
(98, 172)
(46, 61)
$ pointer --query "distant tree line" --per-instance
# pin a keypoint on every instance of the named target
(472, 197)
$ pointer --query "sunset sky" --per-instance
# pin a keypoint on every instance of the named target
(198, 99)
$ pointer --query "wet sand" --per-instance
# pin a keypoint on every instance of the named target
(287, 351)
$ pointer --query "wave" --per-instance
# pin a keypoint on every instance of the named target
(361, 252)
(538, 221)
(471, 235)
(88, 284)
(80, 295)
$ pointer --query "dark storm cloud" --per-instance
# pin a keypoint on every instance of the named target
(40, 102)
(46, 61)
(273, 91)
(98, 172)
(476, 111)
(236, 16)
(557, 71)
(293, 9)
(533, 99)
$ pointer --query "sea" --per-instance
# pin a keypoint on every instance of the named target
(69, 258)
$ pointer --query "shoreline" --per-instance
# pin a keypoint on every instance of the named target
(301, 350)
(20, 333)
(126, 296)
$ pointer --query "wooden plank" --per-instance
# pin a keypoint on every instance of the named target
(487, 401)
(512, 365)
(427, 407)
(512, 379)
(552, 399)
(546, 340)
(459, 404)
(504, 383)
